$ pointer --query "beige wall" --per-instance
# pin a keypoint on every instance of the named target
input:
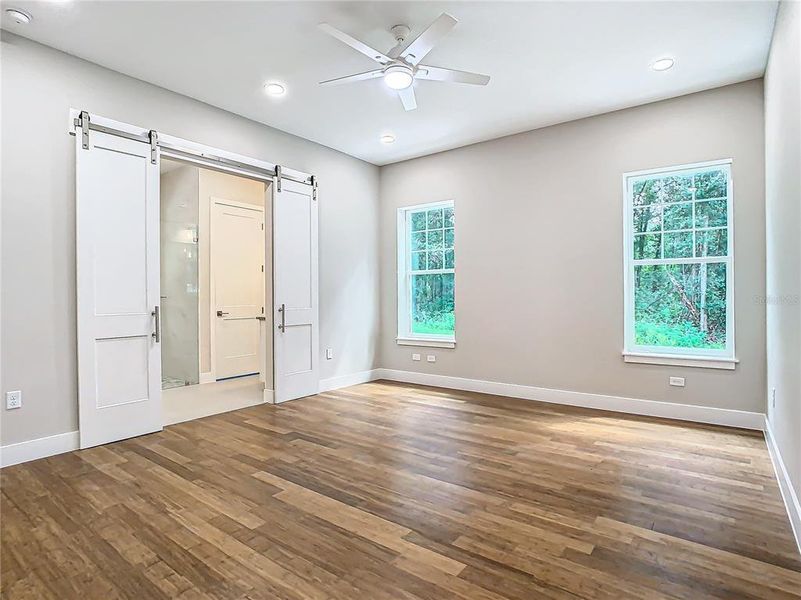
(37, 327)
(229, 187)
(539, 239)
(783, 210)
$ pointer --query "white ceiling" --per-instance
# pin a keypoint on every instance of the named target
(550, 61)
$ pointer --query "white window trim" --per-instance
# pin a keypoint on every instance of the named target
(423, 342)
(405, 336)
(660, 355)
(676, 360)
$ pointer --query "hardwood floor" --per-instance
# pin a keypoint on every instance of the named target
(394, 492)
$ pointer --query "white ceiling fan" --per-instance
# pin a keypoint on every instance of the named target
(400, 66)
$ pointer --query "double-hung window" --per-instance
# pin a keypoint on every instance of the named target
(426, 271)
(679, 266)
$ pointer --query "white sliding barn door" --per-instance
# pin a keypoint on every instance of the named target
(295, 311)
(117, 251)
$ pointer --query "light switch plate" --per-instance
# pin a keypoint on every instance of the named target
(329, 353)
(13, 399)
(415, 356)
(431, 358)
(677, 381)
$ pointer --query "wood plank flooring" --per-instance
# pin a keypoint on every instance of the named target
(395, 492)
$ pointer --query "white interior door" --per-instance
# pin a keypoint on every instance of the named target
(237, 267)
(117, 251)
(295, 310)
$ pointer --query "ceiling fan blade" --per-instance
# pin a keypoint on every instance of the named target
(351, 78)
(408, 99)
(422, 45)
(377, 56)
(440, 74)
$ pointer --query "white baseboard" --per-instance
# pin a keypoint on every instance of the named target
(206, 378)
(650, 408)
(13, 454)
(268, 396)
(341, 381)
(25, 451)
(789, 496)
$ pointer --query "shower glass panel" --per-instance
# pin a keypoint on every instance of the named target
(179, 275)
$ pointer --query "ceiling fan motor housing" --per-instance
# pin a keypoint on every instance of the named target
(401, 32)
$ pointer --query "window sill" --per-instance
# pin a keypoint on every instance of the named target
(426, 342)
(704, 362)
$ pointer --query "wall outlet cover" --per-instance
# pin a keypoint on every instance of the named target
(415, 356)
(677, 381)
(13, 399)
(431, 358)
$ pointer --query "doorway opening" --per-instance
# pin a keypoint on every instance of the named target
(118, 299)
(216, 290)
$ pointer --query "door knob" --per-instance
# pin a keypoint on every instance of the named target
(221, 313)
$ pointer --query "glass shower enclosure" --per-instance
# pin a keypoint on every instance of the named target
(180, 364)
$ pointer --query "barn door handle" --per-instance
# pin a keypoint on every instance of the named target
(157, 333)
(221, 313)
(282, 310)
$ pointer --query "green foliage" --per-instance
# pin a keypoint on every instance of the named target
(432, 240)
(432, 304)
(674, 188)
(710, 213)
(442, 324)
(678, 216)
(680, 335)
(432, 299)
(680, 305)
(678, 244)
(710, 184)
(419, 221)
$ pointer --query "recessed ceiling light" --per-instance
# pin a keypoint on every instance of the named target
(274, 89)
(398, 77)
(663, 64)
(20, 16)
(387, 139)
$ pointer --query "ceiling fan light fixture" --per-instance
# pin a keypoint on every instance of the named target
(398, 77)
(663, 64)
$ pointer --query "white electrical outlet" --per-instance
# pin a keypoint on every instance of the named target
(431, 358)
(415, 357)
(677, 381)
(329, 353)
(13, 399)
